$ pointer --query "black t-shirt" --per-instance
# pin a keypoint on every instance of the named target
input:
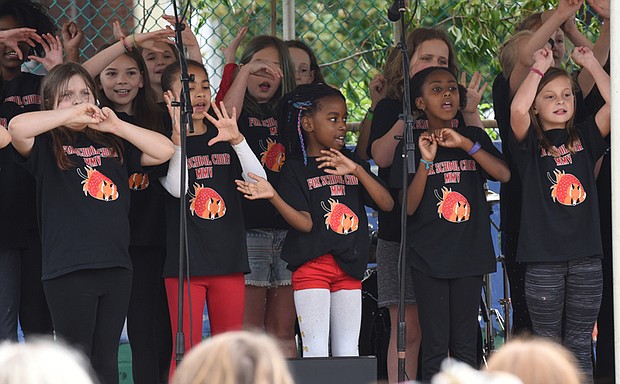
(559, 217)
(449, 235)
(84, 210)
(385, 115)
(147, 217)
(17, 186)
(215, 231)
(336, 205)
(262, 136)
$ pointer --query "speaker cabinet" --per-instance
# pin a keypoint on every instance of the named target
(334, 370)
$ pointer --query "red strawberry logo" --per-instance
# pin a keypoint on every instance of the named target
(206, 203)
(453, 206)
(340, 218)
(566, 188)
(273, 156)
(97, 185)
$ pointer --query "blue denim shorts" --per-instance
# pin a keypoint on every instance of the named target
(268, 269)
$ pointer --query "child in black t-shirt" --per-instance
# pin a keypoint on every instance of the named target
(322, 193)
(217, 154)
(80, 156)
(449, 243)
(560, 236)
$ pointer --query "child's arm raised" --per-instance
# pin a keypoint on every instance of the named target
(262, 189)
(378, 91)
(495, 167)
(26, 126)
(427, 144)
(566, 9)
(97, 63)
(235, 95)
(475, 90)
(342, 165)
(584, 57)
(156, 148)
(12, 37)
(526, 94)
(600, 48)
(228, 130)
(189, 39)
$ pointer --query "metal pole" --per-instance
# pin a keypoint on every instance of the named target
(288, 20)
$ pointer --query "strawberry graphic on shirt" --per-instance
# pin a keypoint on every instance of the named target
(97, 185)
(453, 206)
(340, 218)
(206, 203)
(273, 156)
(566, 189)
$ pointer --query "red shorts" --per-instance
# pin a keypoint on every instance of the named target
(323, 273)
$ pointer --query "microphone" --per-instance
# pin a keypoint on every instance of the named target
(394, 10)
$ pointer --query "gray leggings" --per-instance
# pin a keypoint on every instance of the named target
(563, 300)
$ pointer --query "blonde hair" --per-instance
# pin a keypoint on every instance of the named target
(509, 51)
(238, 357)
(42, 362)
(536, 361)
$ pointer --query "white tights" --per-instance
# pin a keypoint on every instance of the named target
(317, 308)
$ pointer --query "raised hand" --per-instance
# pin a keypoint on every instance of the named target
(583, 55)
(230, 52)
(543, 59)
(52, 46)
(148, 40)
(188, 36)
(72, 36)
(175, 115)
(260, 189)
(334, 162)
(378, 89)
(474, 91)
(226, 125)
(118, 30)
(601, 7)
(12, 37)
(428, 146)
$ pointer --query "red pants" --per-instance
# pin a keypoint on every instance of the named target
(225, 295)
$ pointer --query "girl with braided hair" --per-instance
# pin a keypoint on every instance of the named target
(321, 194)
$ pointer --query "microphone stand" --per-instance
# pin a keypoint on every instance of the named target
(408, 168)
(186, 125)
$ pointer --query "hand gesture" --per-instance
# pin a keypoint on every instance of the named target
(226, 125)
(108, 121)
(188, 36)
(378, 89)
(175, 115)
(428, 146)
(72, 36)
(12, 37)
(148, 40)
(52, 46)
(262, 68)
(582, 56)
(230, 52)
(601, 7)
(567, 8)
(118, 31)
(449, 138)
(261, 189)
(474, 91)
(82, 115)
(333, 158)
(543, 59)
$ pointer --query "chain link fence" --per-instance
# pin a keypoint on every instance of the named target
(350, 37)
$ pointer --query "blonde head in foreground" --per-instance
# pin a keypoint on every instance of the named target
(536, 361)
(234, 358)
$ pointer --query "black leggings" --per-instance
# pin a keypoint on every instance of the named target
(88, 310)
(448, 311)
(148, 321)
